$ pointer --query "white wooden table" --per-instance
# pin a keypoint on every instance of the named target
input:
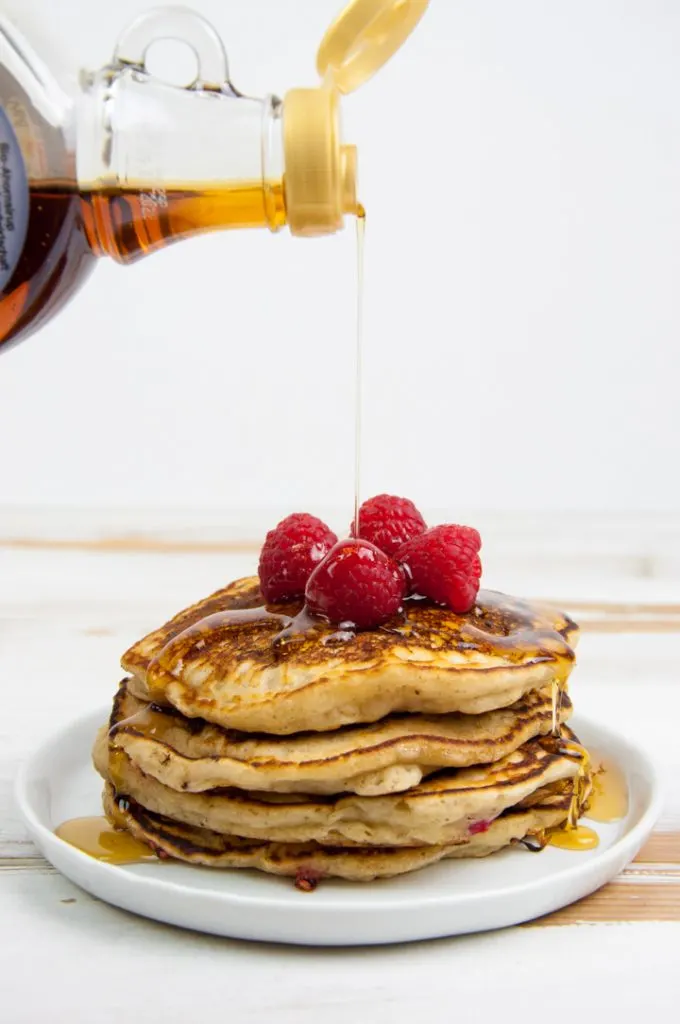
(70, 603)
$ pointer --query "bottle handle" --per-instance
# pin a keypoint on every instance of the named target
(185, 26)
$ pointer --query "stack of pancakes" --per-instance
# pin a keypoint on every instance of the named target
(252, 737)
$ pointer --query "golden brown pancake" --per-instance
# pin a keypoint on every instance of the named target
(238, 672)
(389, 756)
(312, 861)
(439, 811)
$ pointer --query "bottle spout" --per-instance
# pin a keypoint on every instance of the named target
(320, 178)
(320, 173)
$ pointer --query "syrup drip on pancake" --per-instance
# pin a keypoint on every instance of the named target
(152, 720)
(304, 622)
(170, 659)
(498, 626)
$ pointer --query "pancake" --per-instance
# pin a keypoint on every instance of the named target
(392, 755)
(312, 861)
(224, 661)
(445, 808)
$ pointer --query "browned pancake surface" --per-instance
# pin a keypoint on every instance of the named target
(245, 675)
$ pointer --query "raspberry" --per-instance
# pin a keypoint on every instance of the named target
(307, 878)
(388, 522)
(357, 583)
(289, 554)
(476, 827)
(443, 564)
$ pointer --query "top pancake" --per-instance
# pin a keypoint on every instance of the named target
(227, 669)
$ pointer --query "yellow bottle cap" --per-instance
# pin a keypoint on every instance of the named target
(320, 178)
(364, 37)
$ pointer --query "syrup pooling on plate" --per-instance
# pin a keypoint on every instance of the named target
(99, 839)
(608, 800)
(578, 837)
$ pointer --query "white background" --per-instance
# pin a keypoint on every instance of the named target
(520, 163)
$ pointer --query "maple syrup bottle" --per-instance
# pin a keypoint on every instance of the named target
(130, 163)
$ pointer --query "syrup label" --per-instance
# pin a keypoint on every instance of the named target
(14, 200)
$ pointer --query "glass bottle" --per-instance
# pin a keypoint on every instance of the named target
(130, 163)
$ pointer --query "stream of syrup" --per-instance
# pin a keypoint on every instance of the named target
(607, 801)
(358, 389)
(570, 835)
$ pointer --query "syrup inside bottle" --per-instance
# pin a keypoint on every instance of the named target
(55, 257)
(69, 227)
(127, 223)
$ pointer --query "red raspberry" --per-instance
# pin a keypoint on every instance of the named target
(443, 564)
(476, 827)
(289, 554)
(357, 583)
(388, 522)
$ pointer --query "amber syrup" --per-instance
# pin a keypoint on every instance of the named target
(97, 837)
(69, 227)
(358, 378)
(608, 800)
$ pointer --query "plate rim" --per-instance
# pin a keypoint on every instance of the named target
(357, 895)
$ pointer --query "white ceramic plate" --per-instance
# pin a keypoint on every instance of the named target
(449, 898)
